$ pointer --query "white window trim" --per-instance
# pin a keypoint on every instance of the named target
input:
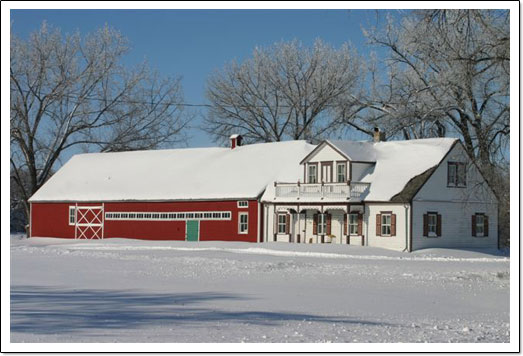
(322, 224)
(167, 215)
(309, 173)
(356, 224)
(240, 223)
(344, 172)
(435, 232)
(73, 208)
(389, 224)
(243, 204)
(284, 225)
(482, 234)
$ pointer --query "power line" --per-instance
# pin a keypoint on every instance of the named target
(183, 104)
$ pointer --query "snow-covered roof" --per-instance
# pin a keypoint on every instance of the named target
(397, 162)
(356, 150)
(392, 164)
(177, 174)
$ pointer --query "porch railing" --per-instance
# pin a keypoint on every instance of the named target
(352, 190)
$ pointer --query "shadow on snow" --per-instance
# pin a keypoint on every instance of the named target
(40, 310)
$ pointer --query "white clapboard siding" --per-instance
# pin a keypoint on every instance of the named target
(456, 225)
(456, 206)
(397, 242)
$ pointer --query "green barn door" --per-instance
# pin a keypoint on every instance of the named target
(192, 227)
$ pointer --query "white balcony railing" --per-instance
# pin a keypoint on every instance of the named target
(353, 190)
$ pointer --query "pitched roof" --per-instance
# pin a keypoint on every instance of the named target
(177, 174)
(356, 150)
(398, 162)
(395, 169)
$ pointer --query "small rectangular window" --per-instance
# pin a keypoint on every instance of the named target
(322, 224)
(207, 215)
(243, 223)
(282, 223)
(457, 174)
(72, 215)
(180, 216)
(313, 174)
(432, 223)
(480, 224)
(340, 169)
(386, 222)
(243, 204)
(353, 223)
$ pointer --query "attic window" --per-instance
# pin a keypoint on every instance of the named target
(456, 174)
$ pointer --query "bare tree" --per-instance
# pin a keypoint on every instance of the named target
(68, 91)
(285, 91)
(447, 71)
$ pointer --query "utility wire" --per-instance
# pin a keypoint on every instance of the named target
(75, 97)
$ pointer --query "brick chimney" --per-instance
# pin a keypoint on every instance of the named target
(378, 135)
(236, 140)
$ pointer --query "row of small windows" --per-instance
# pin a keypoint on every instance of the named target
(204, 215)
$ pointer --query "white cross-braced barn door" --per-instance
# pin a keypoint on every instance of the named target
(89, 222)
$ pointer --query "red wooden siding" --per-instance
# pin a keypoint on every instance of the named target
(52, 220)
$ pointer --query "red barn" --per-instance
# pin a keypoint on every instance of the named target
(197, 194)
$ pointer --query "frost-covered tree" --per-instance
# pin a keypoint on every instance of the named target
(286, 91)
(72, 91)
(446, 73)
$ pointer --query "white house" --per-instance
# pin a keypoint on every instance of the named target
(400, 195)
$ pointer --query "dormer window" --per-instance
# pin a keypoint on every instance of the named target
(313, 173)
(341, 172)
(456, 174)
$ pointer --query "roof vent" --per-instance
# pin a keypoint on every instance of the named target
(236, 140)
(379, 135)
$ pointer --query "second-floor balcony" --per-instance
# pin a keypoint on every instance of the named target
(345, 191)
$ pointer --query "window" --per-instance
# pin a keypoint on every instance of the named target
(322, 224)
(243, 223)
(432, 224)
(479, 225)
(340, 170)
(386, 223)
(200, 215)
(313, 174)
(353, 223)
(282, 223)
(243, 204)
(72, 215)
(457, 174)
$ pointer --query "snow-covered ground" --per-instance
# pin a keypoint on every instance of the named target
(120, 290)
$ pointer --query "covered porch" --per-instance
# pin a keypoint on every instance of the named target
(319, 223)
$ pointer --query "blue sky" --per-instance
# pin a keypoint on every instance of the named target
(194, 43)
